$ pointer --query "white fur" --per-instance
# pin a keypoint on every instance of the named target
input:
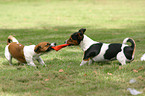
(8, 55)
(86, 43)
(13, 39)
(30, 55)
(121, 57)
(125, 40)
(143, 57)
(100, 56)
(83, 62)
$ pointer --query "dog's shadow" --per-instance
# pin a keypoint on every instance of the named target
(57, 61)
(14, 64)
(103, 63)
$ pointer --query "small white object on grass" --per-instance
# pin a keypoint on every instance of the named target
(143, 57)
(133, 91)
(132, 81)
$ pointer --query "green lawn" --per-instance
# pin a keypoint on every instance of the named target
(34, 21)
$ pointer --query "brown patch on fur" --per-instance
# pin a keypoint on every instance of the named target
(86, 59)
(72, 42)
(80, 36)
(42, 47)
(16, 50)
(134, 47)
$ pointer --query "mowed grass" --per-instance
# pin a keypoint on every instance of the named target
(34, 21)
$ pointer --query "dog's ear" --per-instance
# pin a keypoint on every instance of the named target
(37, 48)
(82, 30)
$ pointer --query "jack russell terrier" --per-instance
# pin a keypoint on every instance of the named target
(97, 51)
(26, 54)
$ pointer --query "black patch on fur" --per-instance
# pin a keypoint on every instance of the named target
(112, 51)
(82, 30)
(75, 36)
(49, 49)
(9, 40)
(128, 51)
(132, 43)
(93, 51)
(37, 49)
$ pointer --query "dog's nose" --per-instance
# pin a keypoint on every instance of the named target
(53, 44)
(65, 42)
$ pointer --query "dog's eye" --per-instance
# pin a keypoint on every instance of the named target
(47, 44)
(74, 38)
(70, 38)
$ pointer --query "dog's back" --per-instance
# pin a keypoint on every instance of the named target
(16, 50)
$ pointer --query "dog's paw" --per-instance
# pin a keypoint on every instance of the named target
(81, 64)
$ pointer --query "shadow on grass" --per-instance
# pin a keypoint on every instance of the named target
(61, 33)
(35, 35)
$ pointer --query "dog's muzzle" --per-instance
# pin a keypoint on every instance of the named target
(51, 45)
(66, 43)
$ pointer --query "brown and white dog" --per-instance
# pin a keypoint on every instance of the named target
(26, 54)
(97, 51)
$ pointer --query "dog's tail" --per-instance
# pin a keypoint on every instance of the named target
(133, 45)
(11, 39)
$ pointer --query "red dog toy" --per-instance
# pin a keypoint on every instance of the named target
(59, 47)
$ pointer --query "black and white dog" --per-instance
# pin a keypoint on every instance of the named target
(97, 51)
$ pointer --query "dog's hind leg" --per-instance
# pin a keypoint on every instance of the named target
(8, 55)
(121, 58)
(10, 60)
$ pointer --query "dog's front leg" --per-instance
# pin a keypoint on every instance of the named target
(39, 59)
(90, 61)
(83, 62)
(31, 63)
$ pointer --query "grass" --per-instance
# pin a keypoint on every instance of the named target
(35, 21)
